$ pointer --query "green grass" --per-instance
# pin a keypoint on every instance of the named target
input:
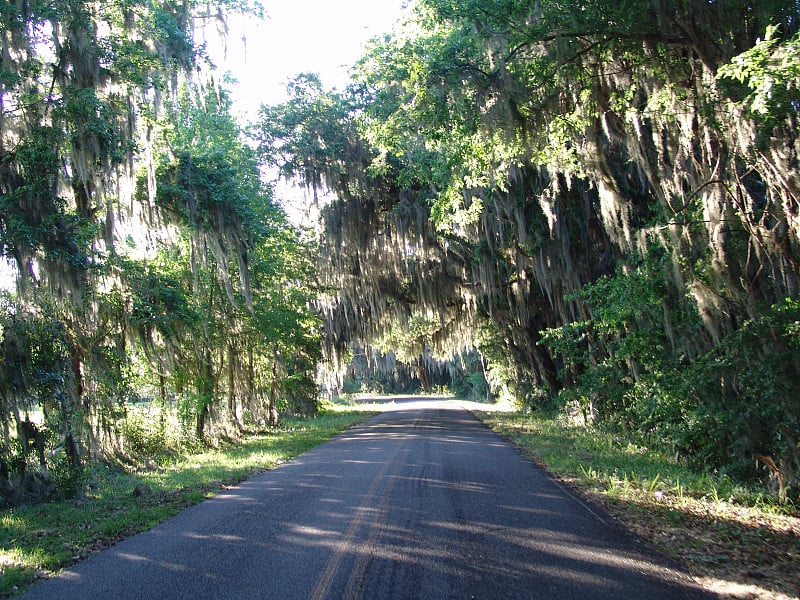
(737, 541)
(610, 464)
(41, 539)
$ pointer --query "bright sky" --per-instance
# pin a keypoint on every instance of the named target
(300, 36)
(311, 36)
(316, 36)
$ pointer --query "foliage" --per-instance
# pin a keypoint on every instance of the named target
(150, 434)
(622, 341)
(749, 383)
(36, 375)
(308, 135)
(469, 382)
(716, 411)
(608, 189)
(769, 71)
(235, 228)
(142, 234)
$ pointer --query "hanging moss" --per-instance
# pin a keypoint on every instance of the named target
(87, 94)
(511, 160)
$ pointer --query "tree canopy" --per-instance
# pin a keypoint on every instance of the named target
(607, 192)
(594, 204)
(151, 259)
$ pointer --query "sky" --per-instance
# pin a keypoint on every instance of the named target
(301, 36)
(325, 37)
(297, 36)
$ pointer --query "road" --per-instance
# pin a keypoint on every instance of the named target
(422, 501)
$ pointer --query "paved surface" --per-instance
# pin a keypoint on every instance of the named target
(419, 502)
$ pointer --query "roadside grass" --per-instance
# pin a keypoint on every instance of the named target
(39, 540)
(736, 541)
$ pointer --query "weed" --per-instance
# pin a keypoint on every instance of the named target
(654, 484)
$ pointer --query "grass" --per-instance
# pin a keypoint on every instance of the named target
(737, 541)
(38, 540)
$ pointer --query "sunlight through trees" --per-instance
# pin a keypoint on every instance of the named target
(152, 262)
(608, 192)
(586, 206)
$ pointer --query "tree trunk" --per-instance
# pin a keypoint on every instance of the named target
(69, 406)
(422, 372)
(200, 425)
(232, 408)
(206, 387)
(273, 393)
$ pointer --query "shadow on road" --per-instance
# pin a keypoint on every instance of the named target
(422, 501)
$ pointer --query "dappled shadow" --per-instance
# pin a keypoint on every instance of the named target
(722, 545)
(416, 503)
(732, 550)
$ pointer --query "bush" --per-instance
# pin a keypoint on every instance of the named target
(147, 433)
(68, 476)
(719, 409)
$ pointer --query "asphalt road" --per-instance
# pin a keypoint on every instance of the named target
(420, 502)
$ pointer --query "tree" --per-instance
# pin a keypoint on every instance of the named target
(135, 215)
(596, 181)
(72, 74)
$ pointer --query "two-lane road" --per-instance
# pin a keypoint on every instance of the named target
(419, 502)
